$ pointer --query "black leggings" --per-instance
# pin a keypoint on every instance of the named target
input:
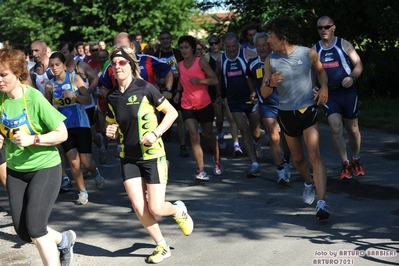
(32, 196)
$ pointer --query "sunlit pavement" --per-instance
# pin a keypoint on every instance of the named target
(238, 221)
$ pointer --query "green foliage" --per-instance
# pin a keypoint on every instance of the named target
(91, 20)
(379, 113)
(24, 21)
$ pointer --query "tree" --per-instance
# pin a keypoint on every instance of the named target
(25, 21)
(94, 20)
(103, 19)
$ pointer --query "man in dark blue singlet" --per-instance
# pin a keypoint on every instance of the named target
(231, 69)
(343, 67)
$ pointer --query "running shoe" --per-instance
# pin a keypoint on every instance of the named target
(282, 176)
(66, 254)
(357, 167)
(254, 171)
(66, 184)
(309, 193)
(183, 151)
(99, 180)
(218, 170)
(287, 167)
(346, 170)
(322, 210)
(83, 198)
(160, 253)
(183, 219)
(201, 176)
(237, 150)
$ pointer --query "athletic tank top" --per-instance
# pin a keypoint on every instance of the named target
(256, 70)
(194, 96)
(235, 79)
(73, 111)
(212, 61)
(337, 65)
(40, 80)
(295, 91)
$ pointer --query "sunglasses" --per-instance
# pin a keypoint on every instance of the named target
(213, 43)
(94, 50)
(120, 63)
(324, 27)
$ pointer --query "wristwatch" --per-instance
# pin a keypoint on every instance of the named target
(36, 141)
(268, 84)
(168, 89)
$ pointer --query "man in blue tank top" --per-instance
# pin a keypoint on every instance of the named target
(343, 67)
(231, 68)
(289, 71)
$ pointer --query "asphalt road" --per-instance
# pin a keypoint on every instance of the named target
(238, 221)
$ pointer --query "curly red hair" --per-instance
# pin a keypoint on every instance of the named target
(14, 60)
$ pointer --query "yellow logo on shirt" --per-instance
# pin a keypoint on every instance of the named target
(132, 100)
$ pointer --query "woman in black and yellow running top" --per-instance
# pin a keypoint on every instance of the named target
(131, 117)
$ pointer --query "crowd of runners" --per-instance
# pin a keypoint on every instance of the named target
(83, 95)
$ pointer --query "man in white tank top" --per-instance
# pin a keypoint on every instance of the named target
(40, 73)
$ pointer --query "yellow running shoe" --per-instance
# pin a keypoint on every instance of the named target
(160, 253)
(183, 219)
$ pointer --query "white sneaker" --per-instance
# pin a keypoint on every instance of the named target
(66, 254)
(282, 176)
(218, 170)
(83, 198)
(201, 176)
(237, 150)
(309, 193)
(322, 210)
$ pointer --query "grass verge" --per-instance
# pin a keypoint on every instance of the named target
(376, 114)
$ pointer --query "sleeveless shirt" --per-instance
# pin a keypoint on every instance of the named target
(295, 91)
(337, 65)
(194, 96)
